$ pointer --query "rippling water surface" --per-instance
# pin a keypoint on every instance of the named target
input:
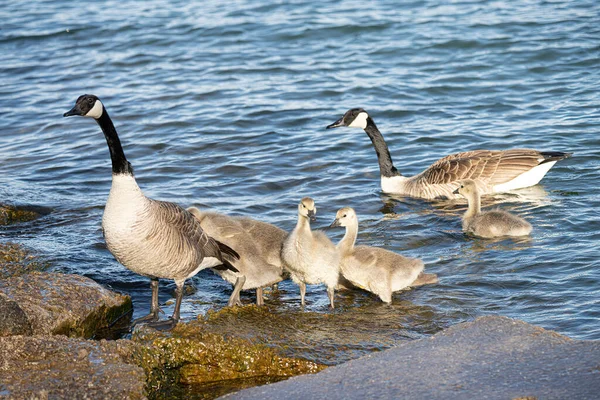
(223, 105)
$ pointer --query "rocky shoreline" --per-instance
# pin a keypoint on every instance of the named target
(47, 321)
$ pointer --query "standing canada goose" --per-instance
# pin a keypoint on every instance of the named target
(488, 224)
(255, 271)
(374, 269)
(152, 238)
(309, 256)
(493, 170)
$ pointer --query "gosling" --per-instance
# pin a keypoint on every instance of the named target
(309, 256)
(376, 270)
(488, 224)
(251, 240)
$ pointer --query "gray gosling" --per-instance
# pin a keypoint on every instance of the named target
(494, 170)
(488, 224)
(156, 239)
(376, 270)
(309, 256)
(252, 240)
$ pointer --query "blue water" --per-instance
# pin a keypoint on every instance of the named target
(223, 105)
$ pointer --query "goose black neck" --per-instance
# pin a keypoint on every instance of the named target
(386, 166)
(120, 165)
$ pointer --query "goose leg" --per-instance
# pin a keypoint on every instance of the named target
(302, 292)
(259, 297)
(154, 309)
(330, 294)
(234, 299)
(171, 322)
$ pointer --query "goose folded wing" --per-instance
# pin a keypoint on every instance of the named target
(181, 232)
(491, 167)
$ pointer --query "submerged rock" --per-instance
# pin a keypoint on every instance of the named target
(491, 358)
(15, 260)
(11, 215)
(54, 303)
(58, 367)
(190, 355)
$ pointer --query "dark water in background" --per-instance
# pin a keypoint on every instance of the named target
(223, 105)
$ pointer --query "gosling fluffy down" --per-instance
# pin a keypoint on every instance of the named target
(488, 224)
(255, 242)
(309, 256)
(376, 270)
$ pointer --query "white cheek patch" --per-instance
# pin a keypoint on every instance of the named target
(96, 111)
(360, 121)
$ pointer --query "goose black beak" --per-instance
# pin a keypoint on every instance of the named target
(311, 215)
(73, 111)
(339, 122)
(335, 223)
(456, 191)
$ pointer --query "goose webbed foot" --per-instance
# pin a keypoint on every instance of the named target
(164, 325)
(152, 317)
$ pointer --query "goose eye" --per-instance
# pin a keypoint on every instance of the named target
(344, 216)
(90, 100)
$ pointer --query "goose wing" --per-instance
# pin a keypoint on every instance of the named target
(490, 166)
(176, 230)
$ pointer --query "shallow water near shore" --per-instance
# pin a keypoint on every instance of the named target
(224, 107)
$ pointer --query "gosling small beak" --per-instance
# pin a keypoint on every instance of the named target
(339, 122)
(73, 111)
(311, 215)
(456, 191)
(335, 223)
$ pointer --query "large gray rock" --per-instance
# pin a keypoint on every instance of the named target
(53, 303)
(58, 367)
(490, 358)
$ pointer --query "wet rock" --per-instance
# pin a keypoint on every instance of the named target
(190, 355)
(11, 215)
(491, 358)
(13, 320)
(15, 260)
(71, 305)
(58, 367)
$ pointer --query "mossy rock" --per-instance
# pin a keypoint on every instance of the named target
(16, 260)
(190, 355)
(12, 215)
(65, 304)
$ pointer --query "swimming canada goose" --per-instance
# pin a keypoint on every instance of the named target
(255, 271)
(309, 256)
(493, 170)
(152, 238)
(488, 224)
(376, 270)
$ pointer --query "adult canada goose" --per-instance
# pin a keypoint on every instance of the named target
(493, 170)
(309, 256)
(152, 238)
(374, 269)
(488, 224)
(255, 271)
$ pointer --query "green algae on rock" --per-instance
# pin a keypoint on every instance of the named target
(58, 367)
(15, 260)
(11, 215)
(190, 355)
(71, 305)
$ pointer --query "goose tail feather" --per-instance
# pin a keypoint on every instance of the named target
(554, 156)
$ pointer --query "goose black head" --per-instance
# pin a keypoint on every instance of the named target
(87, 105)
(354, 118)
(307, 208)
